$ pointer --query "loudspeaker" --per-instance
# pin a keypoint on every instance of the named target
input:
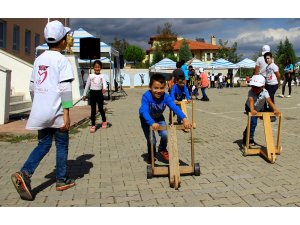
(121, 62)
(89, 48)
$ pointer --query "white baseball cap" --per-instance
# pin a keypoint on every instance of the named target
(257, 81)
(201, 70)
(55, 31)
(265, 48)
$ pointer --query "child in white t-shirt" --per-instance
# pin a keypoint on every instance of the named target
(257, 97)
(51, 92)
(97, 84)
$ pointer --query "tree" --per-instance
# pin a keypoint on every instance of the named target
(228, 53)
(284, 51)
(120, 45)
(166, 37)
(134, 53)
(184, 51)
(157, 54)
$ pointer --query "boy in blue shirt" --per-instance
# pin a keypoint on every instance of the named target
(154, 102)
(180, 92)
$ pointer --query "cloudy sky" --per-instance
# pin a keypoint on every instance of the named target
(250, 34)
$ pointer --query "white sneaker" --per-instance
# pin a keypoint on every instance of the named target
(281, 96)
(288, 96)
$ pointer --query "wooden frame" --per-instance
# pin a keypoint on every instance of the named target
(182, 105)
(173, 170)
(271, 150)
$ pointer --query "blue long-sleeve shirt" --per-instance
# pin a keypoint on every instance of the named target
(152, 109)
(179, 94)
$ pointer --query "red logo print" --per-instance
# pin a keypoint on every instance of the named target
(42, 74)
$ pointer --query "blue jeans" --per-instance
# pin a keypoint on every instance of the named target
(203, 90)
(253, 124)
(162, 133)
(45, 137)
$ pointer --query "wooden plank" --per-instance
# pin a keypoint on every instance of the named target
(173, 155)
(164, 170)
(268, 135)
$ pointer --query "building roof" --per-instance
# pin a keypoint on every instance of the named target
(195, 45)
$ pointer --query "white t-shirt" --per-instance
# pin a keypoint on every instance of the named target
(262, 65)
(271, 78)
(95, 82)
(49, 69)
(259, 100)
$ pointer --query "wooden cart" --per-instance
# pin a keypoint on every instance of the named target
(173, 170)
(271, 149)
(182, 105)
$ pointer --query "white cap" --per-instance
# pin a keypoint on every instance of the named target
(201, 70)
(257, 81)
(265, 48)
(55, 31)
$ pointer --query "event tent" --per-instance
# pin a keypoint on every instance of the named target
(246, 63)
(197, 63)
(165, 63)
(222, 64)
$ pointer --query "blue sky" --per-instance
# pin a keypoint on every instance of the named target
(250, 33)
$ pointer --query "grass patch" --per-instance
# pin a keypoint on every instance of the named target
(18, 138)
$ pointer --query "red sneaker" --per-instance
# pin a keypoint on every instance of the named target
(165, 155)
(104, 124)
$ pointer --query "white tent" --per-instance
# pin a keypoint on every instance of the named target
(164, 64)
(223, 64)
(246, 63)
(197, 63)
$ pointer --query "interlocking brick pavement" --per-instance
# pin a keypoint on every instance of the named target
(111, 171)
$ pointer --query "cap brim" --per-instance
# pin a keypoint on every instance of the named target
(67, 30)
(255, 84)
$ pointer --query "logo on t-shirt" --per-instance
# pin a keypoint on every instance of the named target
(42, 74)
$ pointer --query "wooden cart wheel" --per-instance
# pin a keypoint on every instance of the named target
(149, 171)
(172, 181)
(273, 157)
(194, 125)
(245, 153)
(197, 169)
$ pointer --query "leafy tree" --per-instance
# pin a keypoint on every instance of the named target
(120, 45)
(157, 54)
(184, 51)
(228, 53)
(284, 51)
(166, 37)
(134, 53)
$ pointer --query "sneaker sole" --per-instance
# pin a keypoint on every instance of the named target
(21, 189)
(62, 188)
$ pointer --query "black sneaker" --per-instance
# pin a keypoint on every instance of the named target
(62, 185)
(22, 185)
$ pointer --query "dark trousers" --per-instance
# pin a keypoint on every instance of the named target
(97, 99)
(289, 81)
(272, 90)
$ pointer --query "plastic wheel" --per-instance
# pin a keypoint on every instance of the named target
(149, 171)
(197, 169)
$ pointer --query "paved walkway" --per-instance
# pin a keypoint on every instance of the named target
(111, 171)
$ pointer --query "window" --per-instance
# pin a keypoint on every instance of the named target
(16, 38)
(208, 56)
(2, 34)
(27, 41)
(36, 40)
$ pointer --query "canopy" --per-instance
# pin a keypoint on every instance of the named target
(106, 50)
(223, 64)
(165, 63)
(246, 63)
(197, 63)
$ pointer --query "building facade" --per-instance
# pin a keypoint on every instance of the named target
(20, 36)
(200, 49)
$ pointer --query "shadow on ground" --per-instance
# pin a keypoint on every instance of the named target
(76, 169)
